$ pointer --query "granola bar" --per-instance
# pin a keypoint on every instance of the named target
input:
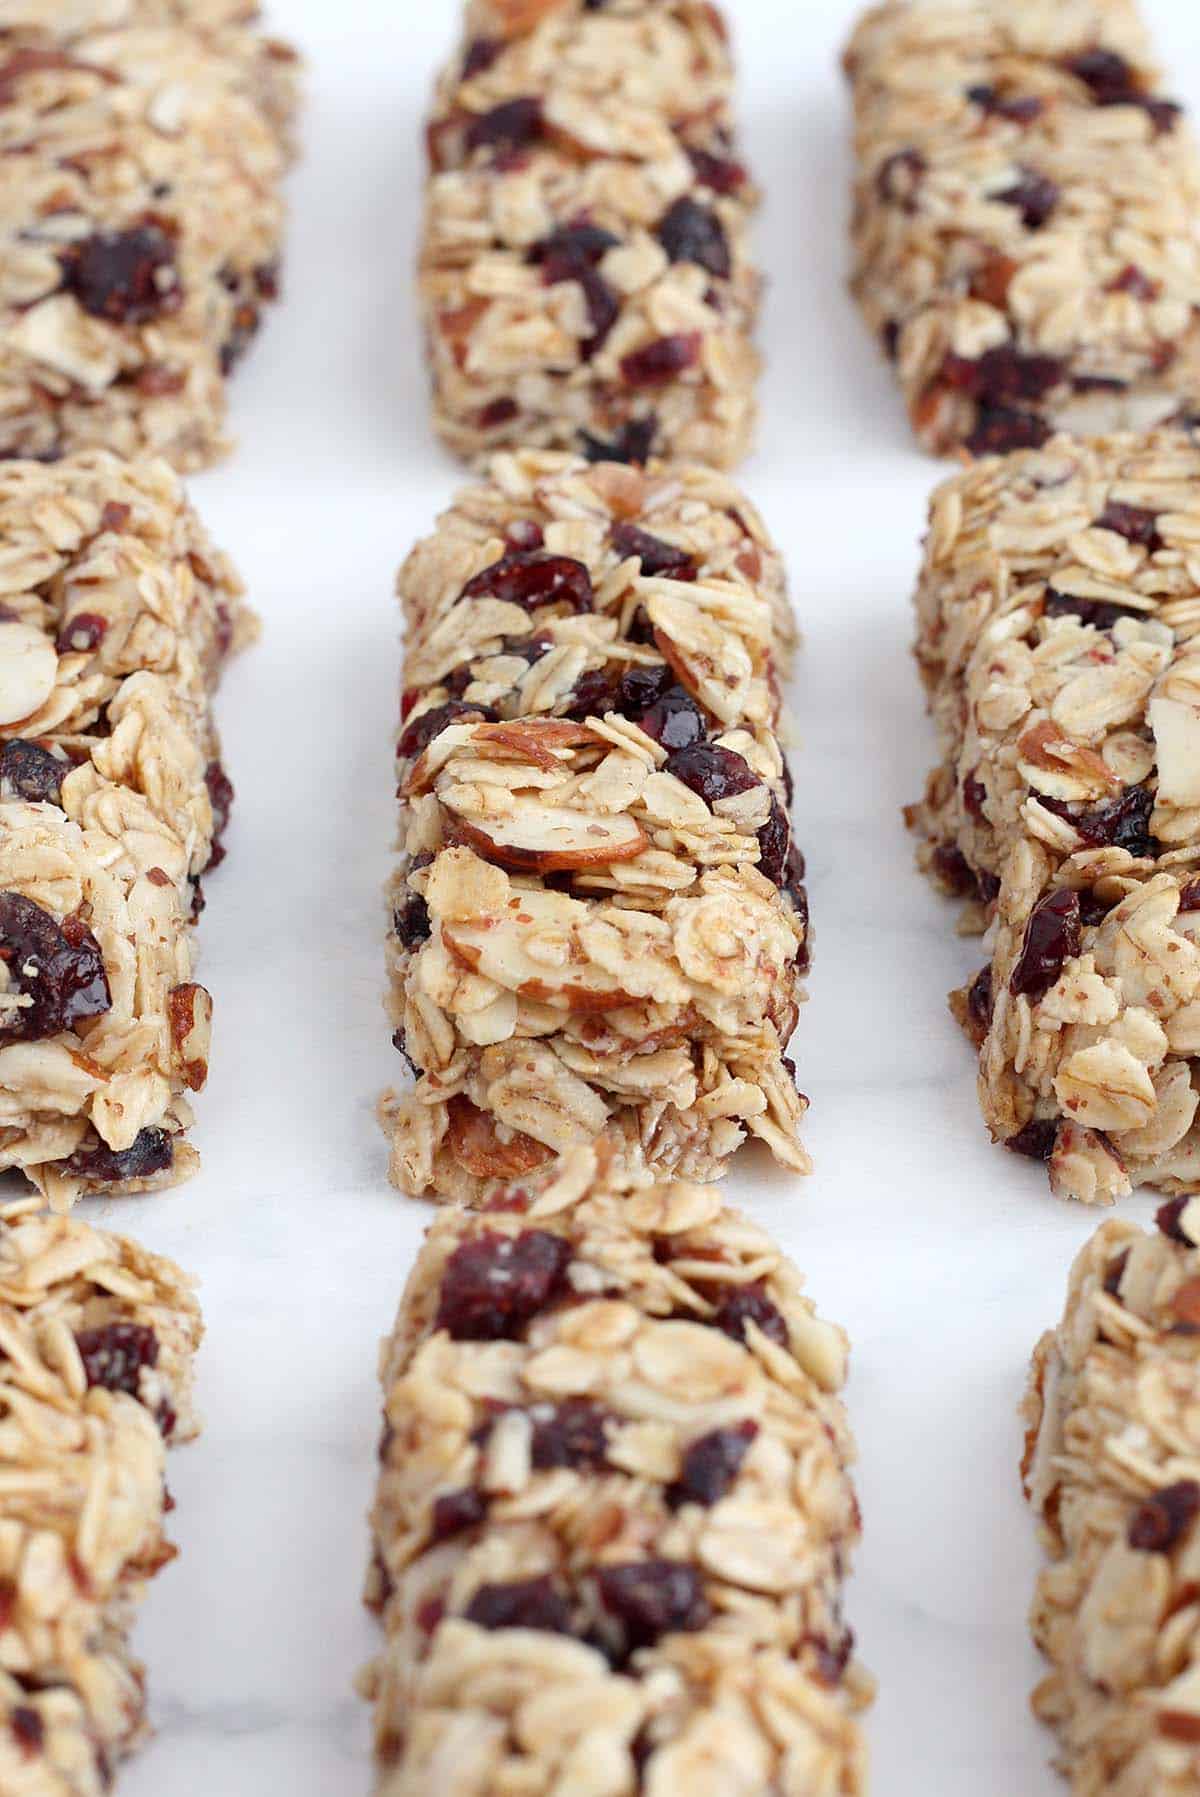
(97, 1339)
(614, 1511)
(599, 916)
(586, 280)
(116, 616)
(1025, 241)
(1112, 1469)
(1058, 618)
(140, 217)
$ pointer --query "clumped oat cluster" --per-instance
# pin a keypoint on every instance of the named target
(1112, 1469)
(585, 277)
(116, 615)
(97, 1339)
(1026, 218)
(142, 145)
(598, 920)
(614, 1512)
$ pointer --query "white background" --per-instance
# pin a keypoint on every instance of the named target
(943, 1257)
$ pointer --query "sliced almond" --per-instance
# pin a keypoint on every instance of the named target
(28, 669)
(533, 838)
(1176, 729)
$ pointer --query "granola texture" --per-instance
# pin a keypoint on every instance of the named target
(614, 1512)
(1058, 618)
(143, 146)
(1026, 207)
(1112, 1469)
(97, 1339)
(586, 281)
(116, 616)
(598, 919)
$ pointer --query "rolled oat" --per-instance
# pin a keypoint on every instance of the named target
(1026, 218)
(599, 918)
(614, 1513)
(1112, 1468)
(585, 277)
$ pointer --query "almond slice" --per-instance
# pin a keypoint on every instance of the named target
(533, 838)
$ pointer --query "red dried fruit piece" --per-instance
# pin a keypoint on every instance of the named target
(1099, 613)
(479, 56)
(632, 444)
(32, 773)
(1003, 374)
(127, 277)
(1035, 197)
(1109, 76)
(738, 1305)
(1162, 1522)
(494, 1284)
(711, 1464)
(1019, 109)
(1169, 1219)
(980, 1002)
(723, 174)
(531, 578)
(81, 634)
(456, 1511)
(421, 732)
(521, 1604)
(674, 719)
(58, 967)
(571, 1434)
(999, 429)
(1133, 522)
(116, 1355)
(571, 254)
(592, 695)
(661, 360)
(1051, 940)
(774, 845)
(1122, 823)
(410, 919)
(899, 178)
(953, 871)
(1036, 1140)
(220, 797)
(1135, 281)
(151, 1151)
(712, 772)
(27, 1730)
(653, 1598)
(974, 793)
(513, 125)
(659, 559)
(690, 232)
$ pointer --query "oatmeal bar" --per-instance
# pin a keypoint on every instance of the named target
(115, 617)
(599, 916)
(140, 218)
(1112, 1468)
(97, 1339)
(614, 1512)
(1026, 244)
(1058, 615)
(586, 280)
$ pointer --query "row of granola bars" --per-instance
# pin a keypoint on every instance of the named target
(140, 217)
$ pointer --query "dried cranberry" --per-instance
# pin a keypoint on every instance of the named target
(1035, 197)
(1109, 76)
(831, 1661)
(572, 1434)
(521, 1604)
(128, 277)
(1099, 613)
(58, 967)
(27, 1729)
(116, 1355)
(1189, 896)
(974, 793)
(1169, 1219)
(661, 360)
(410, 919)
(652, 1598)
(493, 1284)
(659, 559)
(531, 578)
(1136, 282)
(711, 1465)
(1164, 1519)
(571, 254)
(774, 844)
(456, 1511)
(480, 54)
(513, 125)
(999, 429)
(633, 443)
(899, 178)
(712, 772)
(1020, 109)
(980, 1000)
(738, 1305)
(1003, 374)
(690, 232)
(592, 695)
(428, 724)
(82, 634)
(1036, 1140)
(1122, 823)
(1051, 940)
(641, 687)
(31, 772)
(721, 173)
(1133, 522)
(151, 1151)
(496, 413)
(954, 872)
(578, 242)
(674, 720)
(220, 797)
(1092, 908)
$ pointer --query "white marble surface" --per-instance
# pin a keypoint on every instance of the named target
(943, 1257)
